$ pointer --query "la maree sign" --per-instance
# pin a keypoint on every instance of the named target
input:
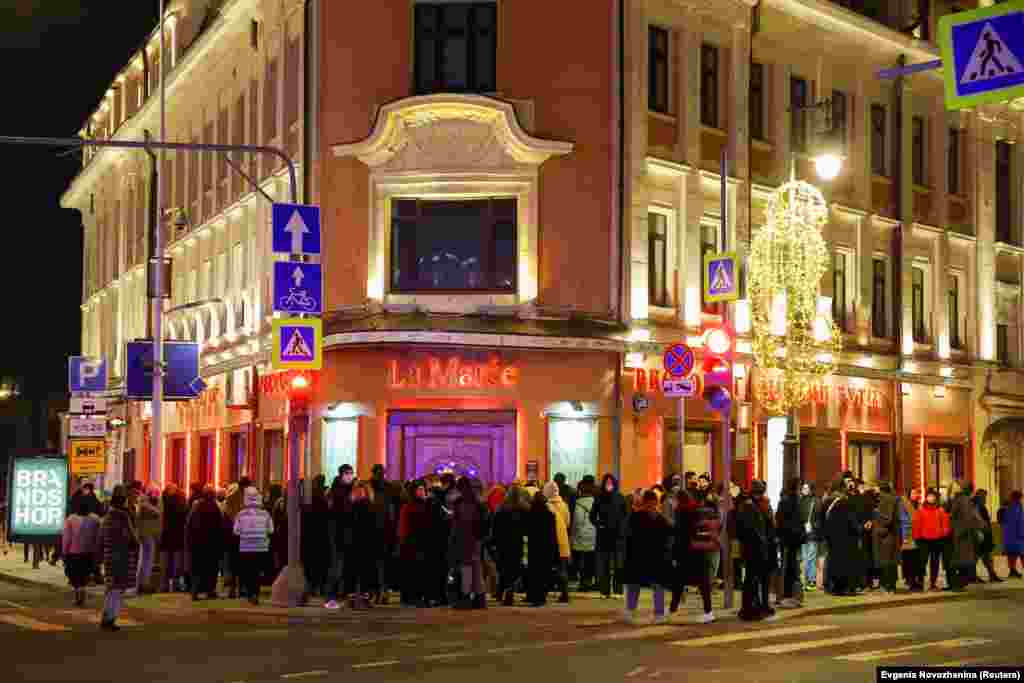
(451, 373)
(38, 495)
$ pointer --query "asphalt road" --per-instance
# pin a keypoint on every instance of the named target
(45, 639)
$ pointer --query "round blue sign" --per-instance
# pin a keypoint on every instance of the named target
(679, 360)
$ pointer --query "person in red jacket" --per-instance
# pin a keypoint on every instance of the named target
(931, 532)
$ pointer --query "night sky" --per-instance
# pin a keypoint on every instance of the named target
(59, 57)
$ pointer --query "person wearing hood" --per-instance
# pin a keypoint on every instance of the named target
(120, 544)
(361, 570)
(205, 538)
(584, 535)
(172, 538)
(234, 501)
(339, 532)
(79, 546)
(930, 529)
(562, 523)
(759, 553)
(966, 526)
(385, 506)
(414, 531)
(148, 527)
(470, 528)
(253, 527)
(542, 540)
(987, 543)
(647, 563)
(843, 528)
(609, 516)
(507, 540)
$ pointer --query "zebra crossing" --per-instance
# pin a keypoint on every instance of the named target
(59, 621)
(813, 638)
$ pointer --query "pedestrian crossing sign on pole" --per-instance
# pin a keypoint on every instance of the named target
(721, 277)
(298, 344)
(983, 55)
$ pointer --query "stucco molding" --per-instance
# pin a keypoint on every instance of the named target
(432, 132)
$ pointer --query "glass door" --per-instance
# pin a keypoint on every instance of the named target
(868, 460)
(945, 463)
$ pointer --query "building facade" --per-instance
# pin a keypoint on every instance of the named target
(513, 235)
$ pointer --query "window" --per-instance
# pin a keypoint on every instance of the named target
(657, 64)
(238, 267)
(573, 447)
(341, 444)
(191, 295)
(953, 305)
(839, 289)
(222, 275)
(455, 46)
(757, 101)
(453, 245)
(878, 317)
(839, 117)
(917, 304)
(178, 295)
(954, 161)
(917, 150)
(1003, 343)
(254, 34)
(657, 259)
(708, 245)
(798, 112)
(945, 463)
(206, 279)
(866, 460)
(878, 130)
(1003, 192)
(709, 85)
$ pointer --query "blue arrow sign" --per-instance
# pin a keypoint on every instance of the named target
(296, 229)
(181, 371)
(983, 55)
(298, 287)
(86, 375)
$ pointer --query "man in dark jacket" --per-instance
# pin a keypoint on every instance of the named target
(757, 551)
(793, 535)
(339, 532)
(385, 506)
(609, 516)
(843, 530)
(809, 505)
(861, 508)
(886, 537)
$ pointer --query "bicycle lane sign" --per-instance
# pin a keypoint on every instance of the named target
(298, 287)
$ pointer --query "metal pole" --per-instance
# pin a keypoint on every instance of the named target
(681, 416)
(725, 503)
(157, 295)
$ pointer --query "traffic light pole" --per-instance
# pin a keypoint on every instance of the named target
(725, 504)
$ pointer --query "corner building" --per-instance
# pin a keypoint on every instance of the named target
(517, 197)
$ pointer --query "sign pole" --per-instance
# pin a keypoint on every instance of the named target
(725, 504)
(681, 416)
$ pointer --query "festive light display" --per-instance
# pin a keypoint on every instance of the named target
(788, 257)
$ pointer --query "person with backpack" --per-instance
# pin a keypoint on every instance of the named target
(584, 536)
(698, 527)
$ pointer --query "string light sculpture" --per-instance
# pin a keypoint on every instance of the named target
(788, 257)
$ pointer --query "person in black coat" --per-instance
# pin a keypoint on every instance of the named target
(361, 575)
(386, 504)
(610, 514)
(316, 555)
(172, 538)
(206, 541)
(792, 535)
(508, 530)
(647, 556)
(414, 536)
(543, 550)
(756, 535)
(843, 529)
(688, 565)
(987, 543)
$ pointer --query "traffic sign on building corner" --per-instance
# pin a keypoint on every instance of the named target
(721, 277)
(295, 229)
(983, 55)
(298, 288)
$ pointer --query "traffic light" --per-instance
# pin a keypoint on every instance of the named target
(300, 394)
(719, 347)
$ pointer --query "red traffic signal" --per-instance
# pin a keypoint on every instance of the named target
(719, 340)
(300, 394)
(719, 347)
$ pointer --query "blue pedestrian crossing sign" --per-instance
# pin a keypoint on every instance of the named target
(297, 344)
(295, 229)
(298, 288)
(721, 277)
(983, 55)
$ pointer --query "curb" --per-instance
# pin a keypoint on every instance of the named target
(29, 583)
(893, 603)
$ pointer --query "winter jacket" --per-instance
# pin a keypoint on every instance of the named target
(930, 523)
(542, 537)
(987, 544)
(907, 524)
(647, 550)
(470, 527)
(967, 527)
(756, 537)
(414, 524)
(175, 514)
(253, 526)
(789, 521)
(609, 516)
(885, 532)
(508, 532)
(562, 519)
(843, 531)
(584, 533)
(120, 546)
(205, 532)
(1013, 529)
(81, 535)
(808, 515)
(147, 520)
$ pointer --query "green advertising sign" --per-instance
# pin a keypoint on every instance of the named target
(38, 499)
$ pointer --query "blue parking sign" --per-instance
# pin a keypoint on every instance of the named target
(87, 375)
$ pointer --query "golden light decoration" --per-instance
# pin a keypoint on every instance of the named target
(788, 257)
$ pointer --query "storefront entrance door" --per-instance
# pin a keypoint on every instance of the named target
(206, 457)
(236, 457)
(478, 444)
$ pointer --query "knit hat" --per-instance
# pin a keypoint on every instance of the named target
(550, 490)
(252, 497)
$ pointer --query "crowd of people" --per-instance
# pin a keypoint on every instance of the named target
(448, 541)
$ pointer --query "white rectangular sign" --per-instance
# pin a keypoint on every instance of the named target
(87, 406)
(678, 388)
(87, 427)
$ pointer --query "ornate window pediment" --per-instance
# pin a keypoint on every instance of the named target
(447, 146)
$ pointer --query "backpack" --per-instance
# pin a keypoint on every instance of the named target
(584, 533)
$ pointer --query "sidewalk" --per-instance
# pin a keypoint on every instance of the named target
(587, 606)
